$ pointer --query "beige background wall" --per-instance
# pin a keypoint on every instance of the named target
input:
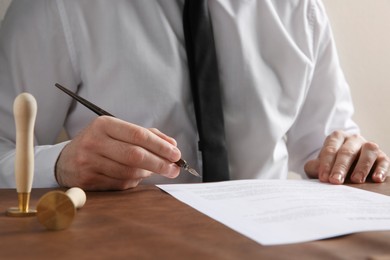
(362, 33)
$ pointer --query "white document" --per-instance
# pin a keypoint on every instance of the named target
(274, 212)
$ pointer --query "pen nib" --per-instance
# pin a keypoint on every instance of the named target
(183, 164)
(193, 172)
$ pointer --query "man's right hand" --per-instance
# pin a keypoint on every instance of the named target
(111, 154)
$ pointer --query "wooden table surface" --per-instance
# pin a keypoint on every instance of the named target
(147, 223)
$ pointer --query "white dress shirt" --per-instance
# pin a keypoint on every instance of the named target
(283, 88)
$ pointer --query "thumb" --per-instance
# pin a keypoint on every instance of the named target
(312, 168)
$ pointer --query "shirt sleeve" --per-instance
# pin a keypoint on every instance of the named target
(34, 55)
(328, 103)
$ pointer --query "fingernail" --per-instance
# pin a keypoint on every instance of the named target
(338, 177)
(360, 177)
(381, 176)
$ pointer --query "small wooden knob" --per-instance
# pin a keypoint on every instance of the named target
(77, 196)
(25, 111)
(56, 209)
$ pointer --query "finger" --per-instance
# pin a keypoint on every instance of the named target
(95, 172)
(382, 168)
(367, 158)
(115, 170)
(133, 156)
(328, 154)
(163, 136)
(345, 158)
(139, 136)
(130, 155)
(100, 182)
(311, 168)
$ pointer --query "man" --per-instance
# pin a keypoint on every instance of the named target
(285, 101)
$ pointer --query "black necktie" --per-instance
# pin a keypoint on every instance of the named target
(205, 85)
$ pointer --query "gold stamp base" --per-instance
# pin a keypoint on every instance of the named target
(56, 210)
(16, 212)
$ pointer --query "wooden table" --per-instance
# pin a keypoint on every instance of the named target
(147, 223)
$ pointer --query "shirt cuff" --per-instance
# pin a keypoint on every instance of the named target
(45, 161)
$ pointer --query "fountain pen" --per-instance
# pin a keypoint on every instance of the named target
(181, 163)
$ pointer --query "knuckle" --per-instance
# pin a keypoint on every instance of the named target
(331, 150)
(154, 130)
(337, 134)
(370, 146)
(102, 124)
(354, 136)
(347, 152)
(136, 155)
(139, 135)
(99, 122)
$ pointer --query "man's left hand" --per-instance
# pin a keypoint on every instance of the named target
(345, 156)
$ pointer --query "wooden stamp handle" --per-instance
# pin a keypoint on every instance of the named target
(77, 196)
(25, 111)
